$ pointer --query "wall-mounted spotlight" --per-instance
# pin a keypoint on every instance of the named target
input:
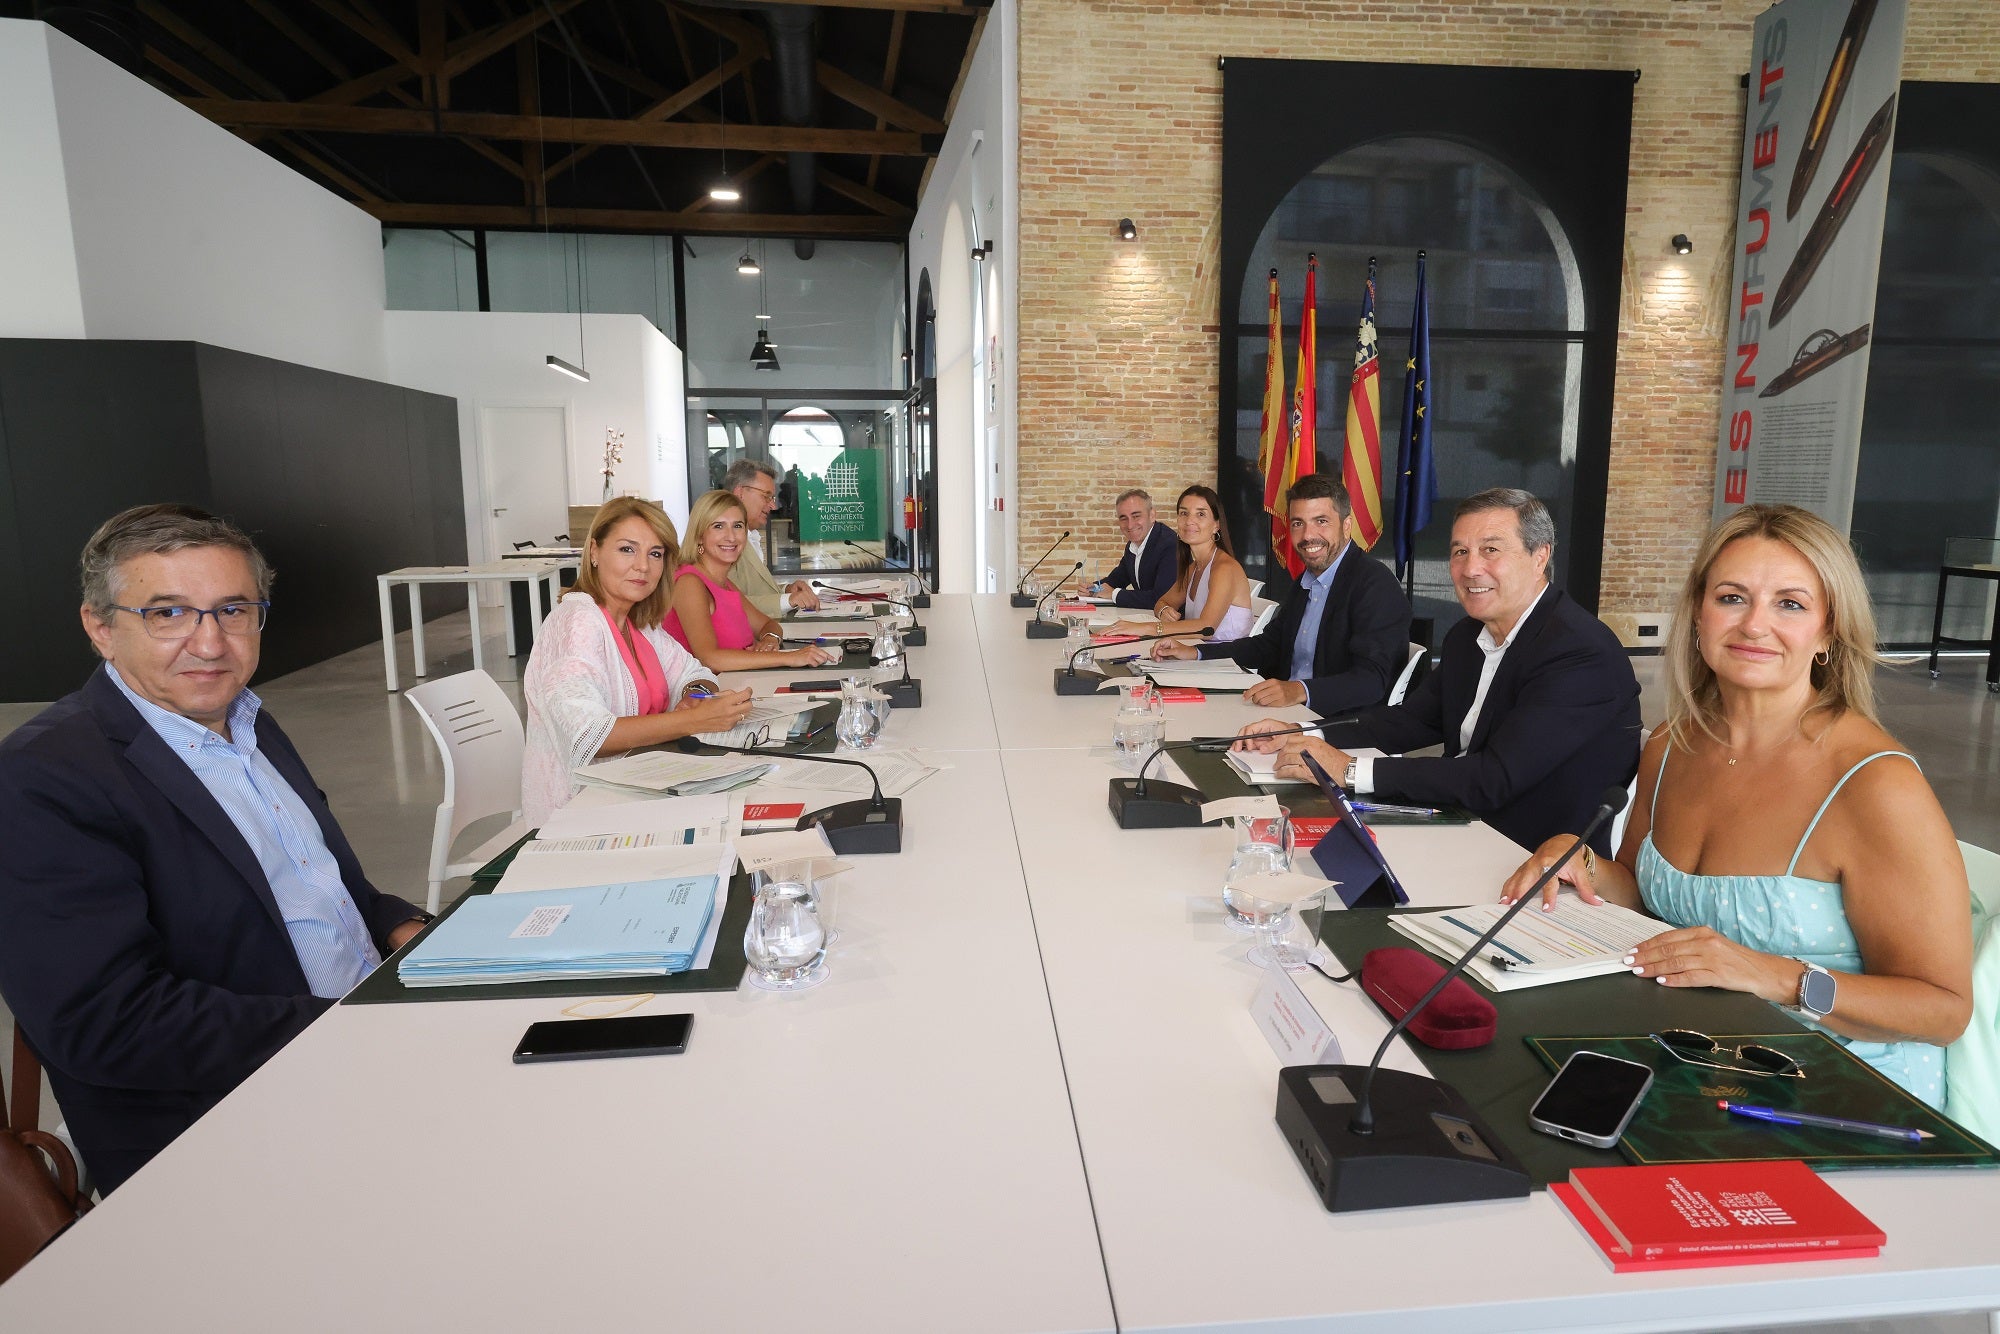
(983, 250)
(748, 266)
(1683, 246)
(1126, 231)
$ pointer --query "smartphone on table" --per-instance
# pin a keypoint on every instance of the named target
(1592, 1098)
(589, 1039)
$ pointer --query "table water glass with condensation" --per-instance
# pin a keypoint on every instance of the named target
(1076, 637)
(1264, 846)
(784, 944)
(864, 715)
(1140, 725)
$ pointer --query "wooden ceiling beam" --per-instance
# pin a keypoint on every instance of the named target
(481, 46)
(889, 67)
(738, 179)
(300, 38)
(865, 226)
(376, 33)
(969, 8)
(430, 50)
(884, 107)
(673, 104)
(560, 129)
(862, 195)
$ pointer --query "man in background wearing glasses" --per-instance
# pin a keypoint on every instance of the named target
(176, 900)
(756, 485)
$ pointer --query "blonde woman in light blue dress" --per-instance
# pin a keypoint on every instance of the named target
(1779, 831)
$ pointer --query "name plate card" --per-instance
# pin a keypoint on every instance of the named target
(1290, 1024)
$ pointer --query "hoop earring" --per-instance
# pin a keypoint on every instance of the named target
(1823, 657)
(1697, 641)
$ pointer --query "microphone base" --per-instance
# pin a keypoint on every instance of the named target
(905, 694)
(919, 599)
(1047, 630)
(1428, 1147)
(914, 637)
(1017, 600)
(1162, 806)
(1082, 683)
(858, 828)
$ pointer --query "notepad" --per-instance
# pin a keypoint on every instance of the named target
(637, 929)
(1577, 940)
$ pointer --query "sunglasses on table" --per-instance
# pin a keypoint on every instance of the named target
(1692, 1048)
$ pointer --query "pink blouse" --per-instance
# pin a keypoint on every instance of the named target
(731, 622)
(650, 681)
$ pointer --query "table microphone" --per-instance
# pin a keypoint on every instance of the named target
(1409, 1139)
(914, 636)
(1041, 629)
(854, 828)
(923, 595)
(1020, 599)
(1069, 683)
(1138, 804)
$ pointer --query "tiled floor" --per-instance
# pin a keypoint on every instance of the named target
(378, 766)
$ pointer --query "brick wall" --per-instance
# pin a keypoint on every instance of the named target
(1121, 115)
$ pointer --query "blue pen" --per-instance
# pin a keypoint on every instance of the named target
(1779, 1118)
(1428, 812)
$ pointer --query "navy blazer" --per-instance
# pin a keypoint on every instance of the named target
(1364, 638)
(1158, 569)
(141, 949)
(1560, 725)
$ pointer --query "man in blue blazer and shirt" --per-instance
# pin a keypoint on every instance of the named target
(1151, 561)
(1341, 637)
(176, 900)
(1534, 700)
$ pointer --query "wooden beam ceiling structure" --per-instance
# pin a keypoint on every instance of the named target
(684, 88)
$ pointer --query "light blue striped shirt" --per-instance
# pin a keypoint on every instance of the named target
(1306, 643)
(331, 940)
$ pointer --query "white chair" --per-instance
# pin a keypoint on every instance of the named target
(479, 738)
(1265, 610)
(1631, 795)
(1402, 686)
(1256, 588)
(1972, 1064)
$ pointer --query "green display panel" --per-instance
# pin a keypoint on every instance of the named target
(843, 504)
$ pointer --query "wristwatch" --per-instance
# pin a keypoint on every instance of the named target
(1347, 775)
(1816, 991)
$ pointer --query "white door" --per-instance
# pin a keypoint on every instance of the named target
(526, 456)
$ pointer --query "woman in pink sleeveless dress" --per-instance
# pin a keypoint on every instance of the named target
(710, 617)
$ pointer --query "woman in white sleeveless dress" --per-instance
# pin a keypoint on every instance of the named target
(1212, 591)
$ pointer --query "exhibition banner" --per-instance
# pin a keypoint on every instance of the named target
(1817, 136)
(844, 504)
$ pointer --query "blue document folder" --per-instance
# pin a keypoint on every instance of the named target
(622, 930)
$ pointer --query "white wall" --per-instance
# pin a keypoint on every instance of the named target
(39, 293)
(498, 359)
(816, 308)
(976, 174)
(175, 227)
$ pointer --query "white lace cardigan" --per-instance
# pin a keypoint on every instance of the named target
(576, 687)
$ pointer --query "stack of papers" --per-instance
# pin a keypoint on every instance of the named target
(1259, 767)
(675, 774)
(1577, 940)
(1201, 673)
(647, 928)
(772, 713)
(898, 772)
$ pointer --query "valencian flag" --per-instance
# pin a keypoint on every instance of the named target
(1416, 466)
(1361, 463)
(1271, 433)
(1302, 456)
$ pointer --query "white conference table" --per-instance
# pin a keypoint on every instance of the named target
(1030, 1097)
(534, 573)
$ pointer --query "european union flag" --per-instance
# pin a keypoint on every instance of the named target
(1416, 466)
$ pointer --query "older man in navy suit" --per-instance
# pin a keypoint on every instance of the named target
(1534, 699)
(176, 900)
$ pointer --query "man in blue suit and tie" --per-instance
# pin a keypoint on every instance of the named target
(176, 900)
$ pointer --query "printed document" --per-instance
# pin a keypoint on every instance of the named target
(1577, 940)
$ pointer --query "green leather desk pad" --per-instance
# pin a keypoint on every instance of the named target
(724, 971)
(1680, 1123)
(1503, 1079)
(1215, 778)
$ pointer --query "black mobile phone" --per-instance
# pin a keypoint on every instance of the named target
(587, 1039)
(1591, 1099)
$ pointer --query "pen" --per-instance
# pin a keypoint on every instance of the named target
(1428, 812)
(1824, 1122)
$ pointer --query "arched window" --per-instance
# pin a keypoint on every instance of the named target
(1507, 316)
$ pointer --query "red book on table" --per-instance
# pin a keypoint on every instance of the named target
(1179, 694)
(1693, 1210)
(1623, 1263)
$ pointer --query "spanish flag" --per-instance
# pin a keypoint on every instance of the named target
(1361, 463)
(1271, 434)
(1302, 457)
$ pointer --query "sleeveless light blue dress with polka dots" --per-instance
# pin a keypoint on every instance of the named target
(1789, 915)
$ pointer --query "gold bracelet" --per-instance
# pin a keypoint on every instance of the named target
(1590, 864)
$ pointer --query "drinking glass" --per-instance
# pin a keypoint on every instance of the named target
(1076, 634)
(1264, 846)
(785, 943)
(864, 713)
(1275, 950)
(1140, 726)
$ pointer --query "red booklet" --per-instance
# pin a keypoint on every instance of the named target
(1721, 1209)
(755, 811)
(1623, 1263)
(1179, 694)
(1308, 830)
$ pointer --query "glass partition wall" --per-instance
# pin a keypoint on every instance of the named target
(795, 359)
